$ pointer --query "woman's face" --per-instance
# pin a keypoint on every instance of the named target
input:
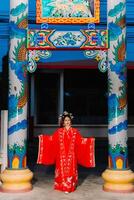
(67, 121)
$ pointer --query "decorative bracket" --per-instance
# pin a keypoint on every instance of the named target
(100, 56)
(34, 56)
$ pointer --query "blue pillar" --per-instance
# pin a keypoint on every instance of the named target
(118, 178)
(16, 178)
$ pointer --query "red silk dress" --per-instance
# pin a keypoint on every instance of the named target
(66, 149)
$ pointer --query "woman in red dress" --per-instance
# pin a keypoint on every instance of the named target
(66, 148)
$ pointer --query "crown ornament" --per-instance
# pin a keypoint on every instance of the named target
(65, 113)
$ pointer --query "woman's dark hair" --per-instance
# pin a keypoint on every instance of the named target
(63, 116)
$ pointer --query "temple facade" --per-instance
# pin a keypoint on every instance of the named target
(43, 82)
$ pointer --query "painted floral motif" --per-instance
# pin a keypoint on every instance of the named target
(68, 39)
(96, 38)
(39, 38)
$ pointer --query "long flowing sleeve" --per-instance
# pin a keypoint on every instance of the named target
(85, 151)
(46, 150)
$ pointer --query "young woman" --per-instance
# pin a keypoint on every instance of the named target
(66, 148)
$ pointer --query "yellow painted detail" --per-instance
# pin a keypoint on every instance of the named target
(119, 163)
(15, 163)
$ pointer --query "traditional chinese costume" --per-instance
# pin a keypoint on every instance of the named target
(66, 149)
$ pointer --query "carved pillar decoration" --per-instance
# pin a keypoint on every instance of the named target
(17, 177)
(118, 178)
